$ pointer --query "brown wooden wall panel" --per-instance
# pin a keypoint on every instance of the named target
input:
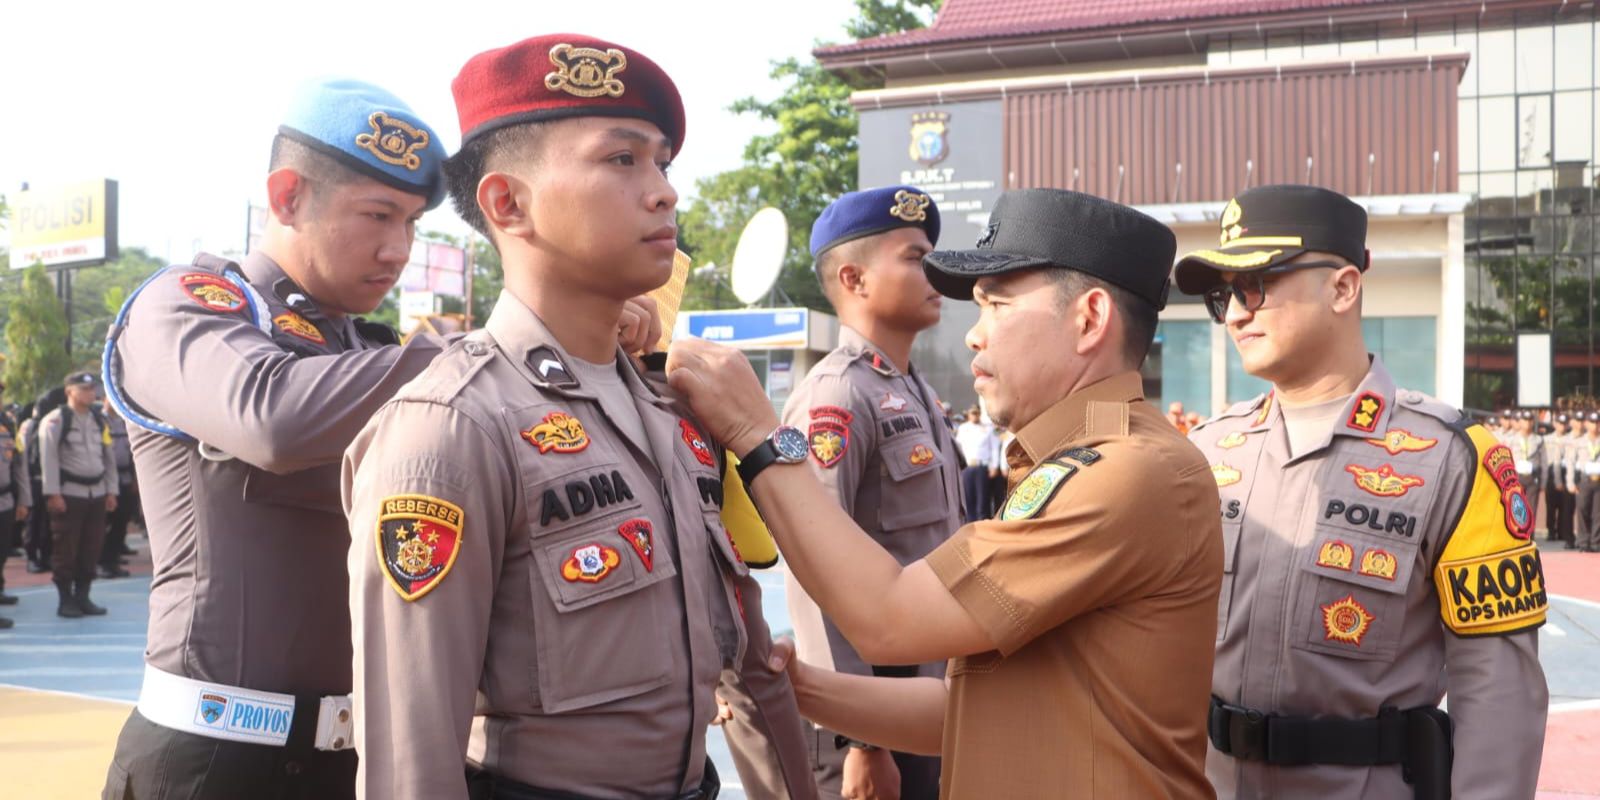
(1215, 124)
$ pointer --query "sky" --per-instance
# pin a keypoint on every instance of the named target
(178, 101)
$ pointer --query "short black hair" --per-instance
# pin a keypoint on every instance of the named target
(484, 154)
(1139, 317)
(830, 260)
(316, 166)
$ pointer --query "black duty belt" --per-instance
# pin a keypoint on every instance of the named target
(485, 785)
(82, 480)
(1252, 735)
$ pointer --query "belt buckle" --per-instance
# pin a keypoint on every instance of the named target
(1247, 733)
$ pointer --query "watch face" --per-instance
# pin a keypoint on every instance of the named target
(791, 444)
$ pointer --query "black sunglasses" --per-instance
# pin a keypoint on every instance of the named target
(1250, 288)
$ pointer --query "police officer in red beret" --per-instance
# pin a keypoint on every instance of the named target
(543, 592)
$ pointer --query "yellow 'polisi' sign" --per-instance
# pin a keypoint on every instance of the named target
(68, 225)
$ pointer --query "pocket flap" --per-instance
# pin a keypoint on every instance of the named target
(610, 557)
(1383, 565)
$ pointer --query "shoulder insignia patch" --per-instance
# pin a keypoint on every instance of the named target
(697, 443)
(418, 538)
(1377, 563)
(1335, 554)
(1496, 593)
(590, 563)
(1364, 415)
(295, 325)
(1346, 620)
(558, 431)
(212, 292)
(1383, 481)
(1083, 455)
(638, 534)
(920, 455)
(1035, 491)
(829, 434)
(1502, 466)
(1399, 440)
(1225, 475)
(1232, 440)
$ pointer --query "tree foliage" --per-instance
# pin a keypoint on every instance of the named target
(807, 161)
(36, 336)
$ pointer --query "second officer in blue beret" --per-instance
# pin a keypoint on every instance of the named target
(242, 385)
(878, 442)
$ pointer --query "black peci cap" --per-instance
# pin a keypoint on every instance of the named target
(1058, 229)
(1269, 225)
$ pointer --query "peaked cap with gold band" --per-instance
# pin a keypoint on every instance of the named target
(857, 215)
(1269, 225)
(564, 75)
(370, 131)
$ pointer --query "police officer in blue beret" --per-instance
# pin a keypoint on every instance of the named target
(878, 443)
(242, 384)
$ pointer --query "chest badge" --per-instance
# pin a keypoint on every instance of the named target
(295, 325)
(1378, 563)
(1335, 554)
(590, 563)
(639, 535)
(892, 403)
(921, 455)
(1225, 475)
(211, 292)
(1383, 481)
(558, 431)
(1399, 440)
(1346, 620)
(1232, 440)
(697, 443)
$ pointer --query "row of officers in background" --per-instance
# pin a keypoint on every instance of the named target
(1558, 459)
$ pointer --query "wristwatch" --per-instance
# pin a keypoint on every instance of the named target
(785, 445)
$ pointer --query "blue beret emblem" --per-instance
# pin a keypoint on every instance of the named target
(910, 206)
(394, 141)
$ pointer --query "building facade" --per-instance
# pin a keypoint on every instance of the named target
(1468, 130)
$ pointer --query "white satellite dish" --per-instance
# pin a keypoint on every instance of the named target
(759, 256)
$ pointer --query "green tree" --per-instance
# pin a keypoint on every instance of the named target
(805, 163)
(36, 335)
(97, 296)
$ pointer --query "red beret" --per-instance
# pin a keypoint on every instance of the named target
(564, 75)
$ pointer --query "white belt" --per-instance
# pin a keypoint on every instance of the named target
(227, 712)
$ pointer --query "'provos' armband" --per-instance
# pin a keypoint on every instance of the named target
(1489, 577)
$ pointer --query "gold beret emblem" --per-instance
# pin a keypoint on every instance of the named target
(585, 71)
(394, 141)
(910, 206)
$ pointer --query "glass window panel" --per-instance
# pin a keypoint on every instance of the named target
(1467, 122)
(1533, 59)
(1495, 194)
(1573, 123)
(1406, 345)
(1497, 133)
(1573, 377)
(1533, 293)
(1242, 385)
(1488, 302)
(1574, 55)
(1496, 62)
(1468, 183)
(1533, 192)
(1492, 235)
(1533, 130)
(1466, 38)
(1572, 306)
(1185, 365)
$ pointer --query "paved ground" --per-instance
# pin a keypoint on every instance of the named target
(67, 685)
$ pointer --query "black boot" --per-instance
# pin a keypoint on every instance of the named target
(69, 605)
(82, 596)
(5, 623)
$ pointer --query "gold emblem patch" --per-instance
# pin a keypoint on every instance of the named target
(1225, 475)
(296, 325)
(558, 431)
(1383, 481)
(585, 71)
(394, 141)
(1399, 440)
(910, 206)
(211, 291)
(1346, 620)
(590, 563)
(920, 455)
(1231, 441)
(1232, 215)
(1335, 554)
(1036, 490)
(1379, 564)
(418, 538)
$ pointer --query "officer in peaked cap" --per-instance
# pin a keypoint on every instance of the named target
(1379, 544)
(1100, 601)
(243, 384)
(878, 443)
(535, 528)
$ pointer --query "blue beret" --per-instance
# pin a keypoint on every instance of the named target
(371, 131)
(874, 211)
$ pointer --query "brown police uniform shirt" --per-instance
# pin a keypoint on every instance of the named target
(1098, 582)
(879, 443)
(532, 592)
(246, 531)
(1367, 573)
